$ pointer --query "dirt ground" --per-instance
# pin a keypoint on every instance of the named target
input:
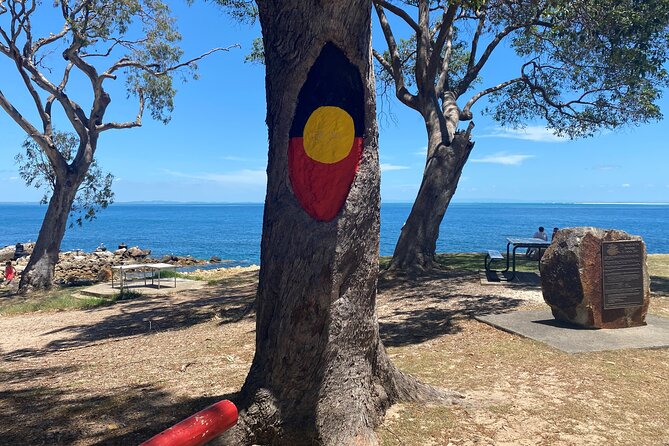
(119, 374)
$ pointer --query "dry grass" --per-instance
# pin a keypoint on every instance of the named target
(117, 375)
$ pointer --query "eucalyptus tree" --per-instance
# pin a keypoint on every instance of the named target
(580, 66)
(70, 67)
(95, 191)
(320, 374)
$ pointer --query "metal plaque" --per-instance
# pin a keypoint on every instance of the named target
(622, 274)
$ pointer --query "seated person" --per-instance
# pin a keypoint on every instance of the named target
(19, 251)
(9, 273)
(541, 233)
(533, 253)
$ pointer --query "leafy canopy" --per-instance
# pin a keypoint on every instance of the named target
(95, 191)
(583, 65)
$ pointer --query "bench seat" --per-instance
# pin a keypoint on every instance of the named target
(492, 254)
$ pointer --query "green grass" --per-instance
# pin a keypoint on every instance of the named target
(169, 274)
(470, 261)
(658, 266)
(60, 299)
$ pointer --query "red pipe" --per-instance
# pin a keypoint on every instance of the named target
(198, 429)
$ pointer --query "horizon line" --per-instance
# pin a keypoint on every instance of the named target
(239, 203)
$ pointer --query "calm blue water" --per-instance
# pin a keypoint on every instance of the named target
(233, 231)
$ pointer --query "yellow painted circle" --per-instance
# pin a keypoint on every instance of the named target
(328, 135)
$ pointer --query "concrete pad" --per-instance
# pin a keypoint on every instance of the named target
(541, 326)
(166, 287)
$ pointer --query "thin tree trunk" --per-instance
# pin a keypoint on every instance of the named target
(416, 247)
(320, 374)
(39, 272)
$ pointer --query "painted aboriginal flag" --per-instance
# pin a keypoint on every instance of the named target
(326, 137)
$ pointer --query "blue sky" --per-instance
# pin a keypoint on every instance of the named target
(215, 147)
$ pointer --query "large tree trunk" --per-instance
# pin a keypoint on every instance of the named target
(416, 247)
(39, 272)
(320, 374)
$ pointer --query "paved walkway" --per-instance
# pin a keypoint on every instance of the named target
(167, 286)
(542, 326)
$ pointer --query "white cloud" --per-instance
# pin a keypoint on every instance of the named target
(625, 185)
(503, 158)
(530, 133)
(241, 177)
(386, 167)
(606, 167)
(422, 152)
(236, 158)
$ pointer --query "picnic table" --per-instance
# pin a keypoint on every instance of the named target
(123, 271)
(516, 242)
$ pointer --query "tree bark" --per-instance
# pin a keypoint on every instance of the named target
(320, 374)
(416, 247)
(39, 272)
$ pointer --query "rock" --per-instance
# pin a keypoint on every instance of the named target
(181, 260)
(103, 254)
(104, 274)
(215, 259)
(6, 253)
(10, 252)
(135, 252)
(571, 279)
(120, 252)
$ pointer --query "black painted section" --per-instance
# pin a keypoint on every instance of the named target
(332, 81)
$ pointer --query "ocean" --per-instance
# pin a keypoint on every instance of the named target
(232, 231)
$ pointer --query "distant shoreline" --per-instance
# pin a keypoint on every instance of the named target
(212, 203)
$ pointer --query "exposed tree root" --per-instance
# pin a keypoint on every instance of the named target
(261, 422)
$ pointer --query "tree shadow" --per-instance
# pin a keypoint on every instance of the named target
(148, 314)
(42, 415)
(426, 307)
(522, 279)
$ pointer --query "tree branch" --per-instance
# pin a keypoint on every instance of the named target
(423, 49)
(73, 111)
(444, 37)
(40, 138)
(384, 63)
(475, 41)
(48, 40)
(124, 63)
(399, 12)
(126, 125)
(473, 72)
(466, 113)
(395, 65)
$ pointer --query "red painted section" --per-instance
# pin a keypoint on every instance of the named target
(198, 429)
(321, 188)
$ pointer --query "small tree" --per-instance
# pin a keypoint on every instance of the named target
(583, 66)
(95, 191)
(98, 40)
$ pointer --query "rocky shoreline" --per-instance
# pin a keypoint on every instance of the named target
(77, 267)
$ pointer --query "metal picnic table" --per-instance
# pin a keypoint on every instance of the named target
(153, 267)
(522, 242)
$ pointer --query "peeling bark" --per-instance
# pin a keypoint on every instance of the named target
(320, 374)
